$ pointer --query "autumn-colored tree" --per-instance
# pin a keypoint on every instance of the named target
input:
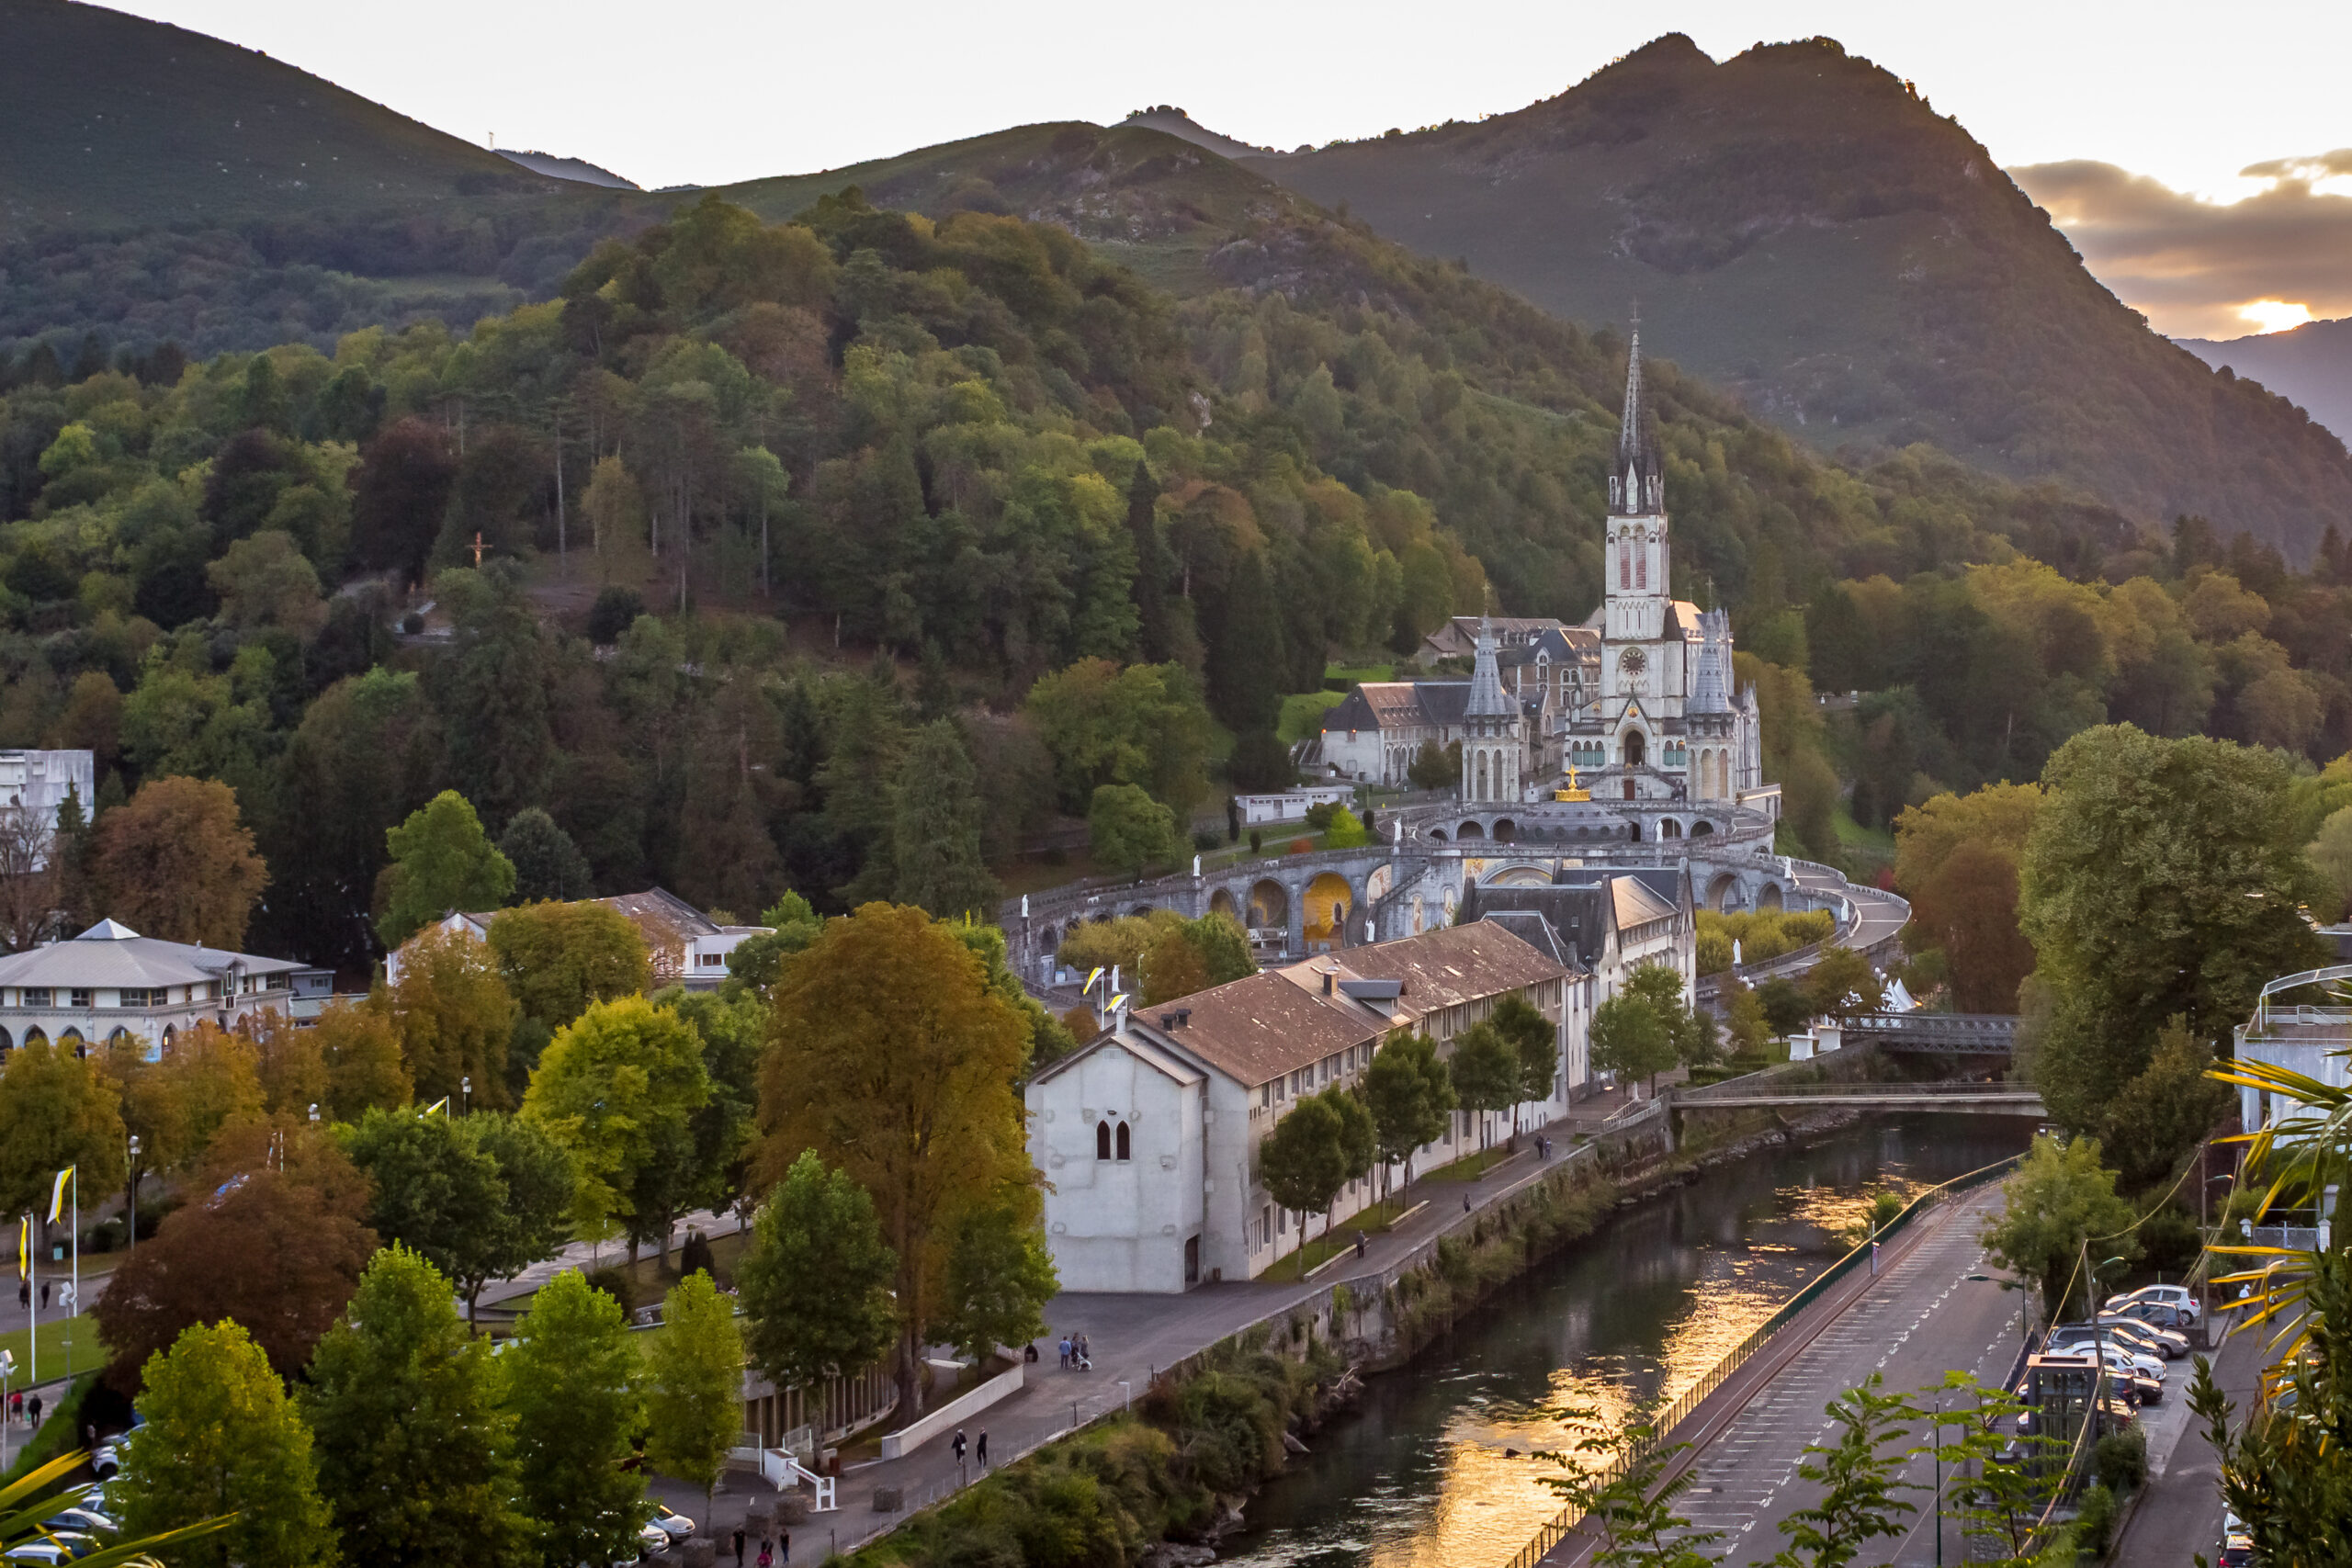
(453, 1015)
(359, 1050)
(56, 1110)
(1956, 860)
(557, 958)
(177, 1104)
(619, 1087)
(891, 1055)
(271, 1237)
(175, 861)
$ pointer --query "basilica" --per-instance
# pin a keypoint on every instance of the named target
(1639, 703)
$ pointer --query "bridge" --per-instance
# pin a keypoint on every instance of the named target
(1739, 1094)
(1939, 1034)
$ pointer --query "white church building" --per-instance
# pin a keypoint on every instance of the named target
(1148, 1135)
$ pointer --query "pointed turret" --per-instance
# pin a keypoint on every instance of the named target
(1487, 698)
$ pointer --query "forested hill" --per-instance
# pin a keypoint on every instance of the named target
(111, 119)
(1799, 226)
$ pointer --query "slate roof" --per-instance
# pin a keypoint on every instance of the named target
(110, 955)
(1400, 705)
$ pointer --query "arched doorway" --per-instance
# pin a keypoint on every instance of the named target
(1221, 903)
(1467, 831)
(1328, 900)
(1437, 835)
(1721, 892)
(1769, 896)
(1668, 828)
(1270, 910)
(1505, 829)
(1702, 827)
(1637, 749)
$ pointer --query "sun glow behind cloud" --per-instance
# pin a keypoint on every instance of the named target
(2275, 315)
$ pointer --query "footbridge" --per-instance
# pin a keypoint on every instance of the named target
(1936, 1033)
(1990, 1099)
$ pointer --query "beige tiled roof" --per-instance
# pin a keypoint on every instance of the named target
(1257, 1029)
(1442, 968)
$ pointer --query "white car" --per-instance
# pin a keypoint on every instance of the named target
(2117, 1354)
(2177, 1297)
(85, 1518)
(53, 1551)
(675, 1525)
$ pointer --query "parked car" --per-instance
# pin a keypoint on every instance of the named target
(106, 1460)
(2179, 1298)
(651, 1540)
(673, 1525)
(53, 1551)
(83, 1517)
(2118, 1355)
(2237, 1545)
(2169, 1343)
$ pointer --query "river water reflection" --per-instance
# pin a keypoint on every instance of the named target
(1634, 1314)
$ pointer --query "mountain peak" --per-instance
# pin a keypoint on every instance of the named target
(1175, 121)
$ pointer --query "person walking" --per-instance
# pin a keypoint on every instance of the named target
(959, 1445)
(1064, 1352)
(44, 1295)
(739, 1546)
(984, 1448)
(1359, 1244)
(767, 1557)
(34, 1407)
(786, 1538)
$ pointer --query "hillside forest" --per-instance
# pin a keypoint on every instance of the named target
(842, 554)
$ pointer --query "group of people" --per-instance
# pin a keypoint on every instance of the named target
(1074, 1353)
(768, 1557)
(19, 1408)
(981, 1453)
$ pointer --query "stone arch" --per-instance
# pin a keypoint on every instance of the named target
(1769, 896)
(1269, 906)
(34, 1036)
(1633, 831)
(1637, 748)
(117, 1040)
(1505, 829)
(1721, 892)
(171, 1035)
(1668, 827)
(7, 1044)
(1221, 903)
(1126, 1142)
(1701, 829)
(1467, 831)
(1437, 835)
(1140, 910)
(1519, 877)
(71, 1040)
(1327, 905)
(1050, 941)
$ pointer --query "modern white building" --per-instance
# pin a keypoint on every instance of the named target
(1148, 1135)
(111, 986)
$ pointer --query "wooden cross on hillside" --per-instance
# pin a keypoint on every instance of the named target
(478, 548)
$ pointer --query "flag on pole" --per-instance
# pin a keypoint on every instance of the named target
(57, 1194)
(442, 1105)
(1113, 1004)
(1091, 979)
(24, 1246)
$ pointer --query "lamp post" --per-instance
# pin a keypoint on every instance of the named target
(134, 1245)
(2205, 1268)
(465, 1094)
(1936, 1447)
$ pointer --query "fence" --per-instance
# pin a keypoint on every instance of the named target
(1664, 1422)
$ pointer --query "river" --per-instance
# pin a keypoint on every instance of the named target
(1633, 1315)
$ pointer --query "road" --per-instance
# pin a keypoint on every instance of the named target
(2180, 1514)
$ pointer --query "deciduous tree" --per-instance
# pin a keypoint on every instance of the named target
(694, 1378)
(177, 862)
(453, 1015)
(220, 1438)
(1630, 1039)
(1127, 830)
(1302, 1162)
(478, 1197)
(815, 1283)
(999, 1274)
(1410, 1095)
(548, 865)
(1486, 1072)
(441, 861)
(284, 1204)
(1535, 1041)
(619, 1087)
(570, 1381)
(2060, 1200)
(557, 958)
(56, 1110)
(415, 1456)
(892, 1057)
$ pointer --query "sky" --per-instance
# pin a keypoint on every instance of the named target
(2186, 148)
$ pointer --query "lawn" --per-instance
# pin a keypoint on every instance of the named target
(1303, 714)
(1470, 1167)
(1863, 849)
(87, 1356)
(1372, 1221)
(1360, 673)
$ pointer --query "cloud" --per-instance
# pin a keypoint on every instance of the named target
(2193, 265)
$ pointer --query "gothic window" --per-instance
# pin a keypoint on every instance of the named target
(1642, 565)
(1101, 1140)
(1624, 562)
(1126, 1142)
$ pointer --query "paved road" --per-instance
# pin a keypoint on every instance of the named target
(2180, 1514)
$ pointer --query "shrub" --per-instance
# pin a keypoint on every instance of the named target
(1301, 846)
(616, 1283)
(412, 623)
(616, 610)
(2096, 1521)
(2123, 1459)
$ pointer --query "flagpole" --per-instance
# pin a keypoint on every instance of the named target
(32, 1305)
(76, 1169)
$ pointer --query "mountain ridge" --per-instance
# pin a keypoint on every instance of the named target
(2311, 364)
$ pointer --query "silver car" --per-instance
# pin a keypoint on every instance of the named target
(2179, 1297)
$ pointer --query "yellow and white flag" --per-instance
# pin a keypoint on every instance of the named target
(57, 1194)
(1091, 980)
(441, 1105)
(24, 1246)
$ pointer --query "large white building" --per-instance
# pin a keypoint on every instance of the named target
(111, 986)
(1148, 1135)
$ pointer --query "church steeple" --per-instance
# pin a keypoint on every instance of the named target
(1486, 698)
(1637, 486)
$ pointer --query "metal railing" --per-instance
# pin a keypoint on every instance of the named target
(1857, 1090)
(1662, 1424)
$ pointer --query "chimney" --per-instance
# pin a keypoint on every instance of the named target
(1331, 983)
(1167, 1021)
(1183, 1017)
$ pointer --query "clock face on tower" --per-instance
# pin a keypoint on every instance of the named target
(1630, 667)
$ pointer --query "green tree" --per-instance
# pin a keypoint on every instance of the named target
(479, 1196)
(569, 1382)
(1302, 1162)
(998, 1278)
(938, 834)
(2165, 1111)
(416, 1457)
(1861, 1476)
(1410, 1095)
(557, 958)
(1614, 1474)
(454, 1016)
(220, 1438)
(694, 1377)
(815, 1282)
(793, 925)
(1485, 1071)
(547, 863)
(2331, 856)
(617, 1087)
(2060, 1201)
(1346, 831)
(2162, 879)
(1138, 724)
(1127, 830)
(2282, 1467)
(441, 861)
(1192, 956)
(1630, 1039)
(1843, 983)
(2012, 1475)
(56, 1110)
(1434, 766)
(1535, 1042)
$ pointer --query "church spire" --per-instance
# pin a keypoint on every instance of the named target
(1487, 698)
(1637, 487)
(1629, 432)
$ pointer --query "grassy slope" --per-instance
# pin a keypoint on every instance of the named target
(113, 119)
(1795, 224)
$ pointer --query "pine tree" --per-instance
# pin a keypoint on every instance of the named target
(935, 834)
(548, 865)
(416, 1457)
(1151, 565)
(1246, 657)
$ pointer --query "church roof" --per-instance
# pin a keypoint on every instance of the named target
(1399, 705)
(1637, 429)
(1486, 696)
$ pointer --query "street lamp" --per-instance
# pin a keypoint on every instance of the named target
(465, 1090)
(134, 1245)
